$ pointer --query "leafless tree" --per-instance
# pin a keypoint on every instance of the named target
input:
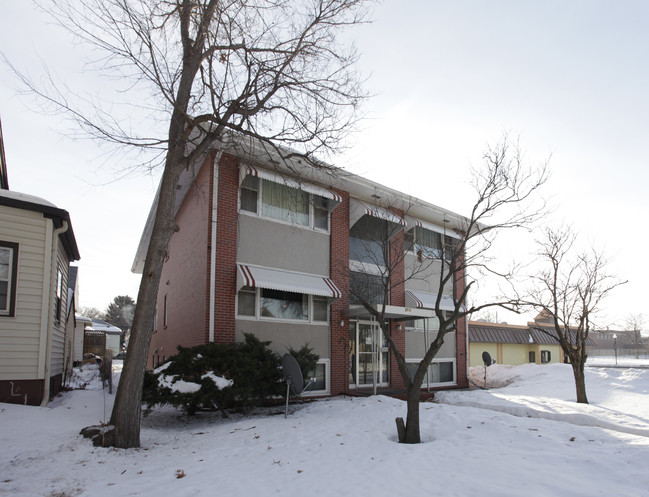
(634, 325)
(274, 71)
(507, 197)
(569, 292)
(91, 312)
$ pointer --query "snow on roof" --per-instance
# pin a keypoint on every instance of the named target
(25, 197)
(101, 325)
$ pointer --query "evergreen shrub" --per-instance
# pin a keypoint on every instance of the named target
(255, 372)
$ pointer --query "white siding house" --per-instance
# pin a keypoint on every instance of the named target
(36, 246)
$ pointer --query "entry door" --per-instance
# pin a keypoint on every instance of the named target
(368, 355)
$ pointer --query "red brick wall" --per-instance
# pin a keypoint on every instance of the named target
(397, 297)
(226, 249)
(460, 337)
(183, 274)
(339, 257)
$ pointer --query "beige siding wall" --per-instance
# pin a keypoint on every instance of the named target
(21, 340)
(283, 335)
(426, 277)
(416, 345)
(59, 322)
(296, 249)
(517, 354)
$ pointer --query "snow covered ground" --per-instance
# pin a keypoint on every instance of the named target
(526, 438)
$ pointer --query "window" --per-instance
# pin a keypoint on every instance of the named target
(320, 214)
(320, 309)
(423, 242)
(246, 304)
(545, 356)
(369, 286)
(368, 241)
(280, 304)
(532, 355)
(249, 193)
(8, 272)
(428, 324)
(320, 376)
(439, 372)
(283, 203)
(58, 299)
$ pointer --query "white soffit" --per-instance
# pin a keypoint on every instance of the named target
(358, 209)
(300, 185)
(423, 300)
(277, 279)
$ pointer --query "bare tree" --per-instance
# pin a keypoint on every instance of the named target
(91, 312)
(273, 71)
(507, 197)
(634, 325)
(568, 293)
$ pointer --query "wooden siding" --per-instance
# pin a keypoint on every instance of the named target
(57, 343)
(20, 335)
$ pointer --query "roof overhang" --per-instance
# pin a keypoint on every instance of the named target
(390, 312)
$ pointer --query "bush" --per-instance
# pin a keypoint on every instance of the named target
(196, 377)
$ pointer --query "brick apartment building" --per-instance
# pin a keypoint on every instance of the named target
(270, 248)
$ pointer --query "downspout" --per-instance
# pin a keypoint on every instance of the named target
(215, 191)
(466, 338)
(50, 320)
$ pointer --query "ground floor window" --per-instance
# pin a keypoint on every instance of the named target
(532, 355)
(440, 372)
(545, 356)
(263, 303)
(320, 378)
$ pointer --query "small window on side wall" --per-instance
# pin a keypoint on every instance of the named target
(545, 356)
(532, 356)
(8, 274)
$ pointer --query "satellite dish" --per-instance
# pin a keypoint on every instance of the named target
(486, 358)
(293, 374)
(293, 377)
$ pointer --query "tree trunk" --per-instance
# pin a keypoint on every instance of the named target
(126, 414)
(580, 380)
(412, 434)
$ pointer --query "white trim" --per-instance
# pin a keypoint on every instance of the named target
(327, 390)
(425, 384)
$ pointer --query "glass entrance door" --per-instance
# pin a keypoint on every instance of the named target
(368, 359)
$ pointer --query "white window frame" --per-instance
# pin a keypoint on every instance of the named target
(259, 317)
(327, 390)
(12, 266)
(258, 213)
(438, 360)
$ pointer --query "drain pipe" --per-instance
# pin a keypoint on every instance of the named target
(50, 320)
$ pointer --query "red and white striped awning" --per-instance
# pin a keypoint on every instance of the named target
(278, 279)
(412, 222)
(300, 185)
(358, 209)
(425, 300)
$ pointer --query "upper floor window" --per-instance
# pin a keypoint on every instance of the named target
(369, 241)
(284, 203)
(428, 243)
(8, 270)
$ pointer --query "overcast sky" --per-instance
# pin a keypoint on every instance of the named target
(570, 79)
